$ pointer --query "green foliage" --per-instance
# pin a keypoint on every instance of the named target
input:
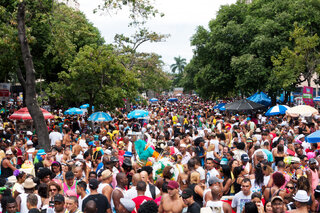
(234, 54)
(95, 76)
(298, 65)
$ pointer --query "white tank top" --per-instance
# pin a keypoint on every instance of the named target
(23, 206)
(216, 206)
(101, 186)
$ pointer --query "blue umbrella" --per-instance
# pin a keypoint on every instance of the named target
(218, 106)
(138, 114)
(100, 117)
(85, 106)
(73, 111)
(153, 100)
(223, 108)
(314, 137)
(277, 110)
(173, 99)
(316, 98)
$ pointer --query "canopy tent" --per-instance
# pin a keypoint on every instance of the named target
(260, 98)
(153, 100)
(173, 99)
(243, 105)
(23, 114)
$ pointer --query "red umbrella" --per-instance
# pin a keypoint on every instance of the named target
(23, 114)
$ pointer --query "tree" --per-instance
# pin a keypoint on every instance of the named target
(234, 55)
(179, 65)
(295, 66)
(96, 76)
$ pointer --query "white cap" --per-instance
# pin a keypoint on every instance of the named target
(104, 138)
(77, 132)
(9, 152)
(29, 142)
(183, 145)
(29, 133)
(300, 136)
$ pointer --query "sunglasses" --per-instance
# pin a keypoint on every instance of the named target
(53, 190)
(288, 187)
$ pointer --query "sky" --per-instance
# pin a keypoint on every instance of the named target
(181, 19)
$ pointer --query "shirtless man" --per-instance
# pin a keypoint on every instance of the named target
(172, 202)
(76, 148)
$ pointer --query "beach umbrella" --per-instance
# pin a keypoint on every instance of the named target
(73, 111)
(243, 105)
(277, 110)
(138, 114)
(100, 117)
(23, 114)
(218, 106)
(316, 98)
(85, 106)
(314, 137)
(173, 99)
(223, 108)
(302, 110)
(153, 100)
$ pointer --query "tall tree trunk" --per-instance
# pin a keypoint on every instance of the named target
(30, 82)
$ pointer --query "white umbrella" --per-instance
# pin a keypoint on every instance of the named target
(302, 110)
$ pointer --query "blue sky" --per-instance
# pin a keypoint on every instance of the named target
(180, 21)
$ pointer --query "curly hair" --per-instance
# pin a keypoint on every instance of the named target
(167, 172)
(148, 207)
(278, 179)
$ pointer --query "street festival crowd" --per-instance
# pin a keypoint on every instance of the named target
(184, 157)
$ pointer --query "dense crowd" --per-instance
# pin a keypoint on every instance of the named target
(184, 157)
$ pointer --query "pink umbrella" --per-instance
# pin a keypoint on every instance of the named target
(23, 114)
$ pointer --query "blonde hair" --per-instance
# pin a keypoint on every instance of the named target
(195, 177)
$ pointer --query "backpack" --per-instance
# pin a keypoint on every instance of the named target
(153, 191)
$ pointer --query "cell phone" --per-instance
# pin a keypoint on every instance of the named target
(51, 203)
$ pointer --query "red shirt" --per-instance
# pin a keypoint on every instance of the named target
(138, 201)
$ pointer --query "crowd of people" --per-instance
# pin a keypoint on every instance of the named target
(184, 157)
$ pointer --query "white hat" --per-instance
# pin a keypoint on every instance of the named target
(258, 130)
(183, 145)
(79, 157)
(300, 136)
(301, 196)
(104, 138)
(1, 128)
(77, 132)
(29, 142)
(9, 152)
(29, 133)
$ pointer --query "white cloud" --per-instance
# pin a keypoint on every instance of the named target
(180, 21)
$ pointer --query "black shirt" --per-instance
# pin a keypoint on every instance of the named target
(101, 202)
(194, 208)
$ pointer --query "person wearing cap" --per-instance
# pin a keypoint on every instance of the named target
(126, 206)
(105, 186)
(141, 198)
(301, 202)
(171, 202)
(7, 167)
(102, 202)
(213, 181)
(185, 155)
(59, 202)
(312, 173)
(69, 185)
(245, 162)
(243, 196)
(29, 187)
(215, 201)
(277, 204)
(187, 197)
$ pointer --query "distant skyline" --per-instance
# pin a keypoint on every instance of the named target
(182, 17)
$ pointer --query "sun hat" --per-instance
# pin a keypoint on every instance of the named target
(301, 196)
(106, 174)
(9, 152)
(29, 184)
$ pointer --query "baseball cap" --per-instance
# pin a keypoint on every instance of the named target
(106, 174)
(214, 179)
(58, 198)
(77, 132)
(217, 161)
(312, 161)
(173, 185)
(69, 175)
(93, 183)
(127, 162)
(276, 198)
(114, 159)
(186, 193)
(244, 157)
(29, 133)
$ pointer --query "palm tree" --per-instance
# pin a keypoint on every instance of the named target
(179, 65)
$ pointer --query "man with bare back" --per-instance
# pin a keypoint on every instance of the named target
(172, 202)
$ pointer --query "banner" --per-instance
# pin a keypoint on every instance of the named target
(4, 91)
(307, 96)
